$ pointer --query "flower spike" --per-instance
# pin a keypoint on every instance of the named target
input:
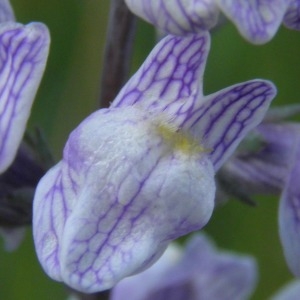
(172, 73)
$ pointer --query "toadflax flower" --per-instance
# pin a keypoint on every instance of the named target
(23, 55)
(197, 272)
(139, 174)
(256, 20)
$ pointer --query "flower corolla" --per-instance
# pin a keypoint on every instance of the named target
(139, 174)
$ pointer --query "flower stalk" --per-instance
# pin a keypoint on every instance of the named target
(118, 51)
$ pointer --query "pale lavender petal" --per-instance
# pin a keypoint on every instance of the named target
(289, 214)
(23, 55)
(291, 291)
(6, 11)
(137, 287)
(171, 75)
(123, 186)
(230, 277)
(214, 274)
(200, 272)
(228, 115)
(49, 216)
(292, 16)
(256, 20)
(177, 17)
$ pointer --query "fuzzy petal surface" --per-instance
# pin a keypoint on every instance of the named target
(198, 272)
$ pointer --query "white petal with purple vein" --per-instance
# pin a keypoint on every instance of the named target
(23, 56)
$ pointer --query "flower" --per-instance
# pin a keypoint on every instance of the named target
(273, 167)
(23, 55)
(197, 272)
(256, 20)
(140, 174)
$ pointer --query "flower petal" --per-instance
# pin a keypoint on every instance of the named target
(289, 213)
(177, 17)
(49, 216)
(171, 75)
(256, 20)
(234, 277)
(6, 11)
(228, 115)
(137, 287)
(292, 16)
(23, 55)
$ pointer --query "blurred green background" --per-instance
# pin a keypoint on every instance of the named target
(69, 92)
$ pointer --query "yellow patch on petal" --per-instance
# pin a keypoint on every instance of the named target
(179, 140)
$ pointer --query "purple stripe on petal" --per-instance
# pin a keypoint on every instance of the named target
(23, 55)
(6, 11)
(215, 274)
(289, 214)
(256, 20)
(228, 115)
(292, 16)
(171, 74)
